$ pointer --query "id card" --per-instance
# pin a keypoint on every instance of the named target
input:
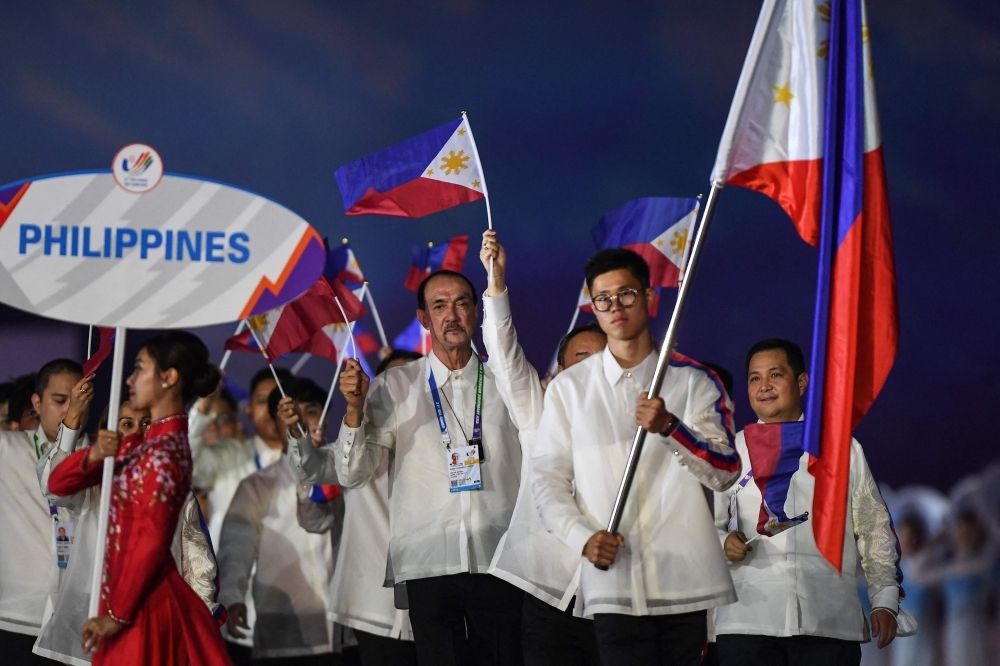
(64, 543)
(463, 469)
(734, 515)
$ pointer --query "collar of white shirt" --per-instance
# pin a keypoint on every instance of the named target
(442, 374)
(265, 454)
(613, 372)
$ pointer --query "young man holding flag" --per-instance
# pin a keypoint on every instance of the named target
(665, 568)
(794, 608)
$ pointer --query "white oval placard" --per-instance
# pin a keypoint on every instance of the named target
(190, 252)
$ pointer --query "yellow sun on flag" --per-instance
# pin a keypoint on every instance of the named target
(339, 327)
(679, 242)
(454, 162)
(258, 322)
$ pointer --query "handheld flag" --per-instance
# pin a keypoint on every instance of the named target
(803, 129)
(431, 172)
(104, 349)
(583, 301)
(659, 229)
(321, 494)
(448, 256)
(415, 338)
(775, 451)
(286, 327)
(341, 264)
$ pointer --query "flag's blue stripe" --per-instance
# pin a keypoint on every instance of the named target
(393, 166)
(640, 220)
(843, 173)
(429, 258)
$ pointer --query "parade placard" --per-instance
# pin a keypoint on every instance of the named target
(113, 248)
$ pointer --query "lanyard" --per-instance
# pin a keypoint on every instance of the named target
(744, 481)
(256, 460)
(477, 421)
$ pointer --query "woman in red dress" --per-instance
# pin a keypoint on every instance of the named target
(149, 615)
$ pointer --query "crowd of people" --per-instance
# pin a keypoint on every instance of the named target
(459, 514)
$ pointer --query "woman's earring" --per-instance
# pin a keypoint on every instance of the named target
(164, 385)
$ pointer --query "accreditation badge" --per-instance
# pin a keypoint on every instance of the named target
(64, 542)
(463, 469)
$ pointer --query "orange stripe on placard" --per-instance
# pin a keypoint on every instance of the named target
(275, 287)
(6, 210)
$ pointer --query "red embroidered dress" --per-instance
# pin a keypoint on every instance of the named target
(166, 622)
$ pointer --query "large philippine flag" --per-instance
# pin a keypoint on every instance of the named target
(775, 451)
(803, 129)
(430, 172)
(659, 229)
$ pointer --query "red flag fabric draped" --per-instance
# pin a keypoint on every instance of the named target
(803, 129)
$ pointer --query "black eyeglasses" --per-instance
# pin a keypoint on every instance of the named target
(625, 297)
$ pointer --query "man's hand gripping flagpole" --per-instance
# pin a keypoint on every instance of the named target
(662, 363)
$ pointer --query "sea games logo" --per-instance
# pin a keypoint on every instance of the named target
(137, 168)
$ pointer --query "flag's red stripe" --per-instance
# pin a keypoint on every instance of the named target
(416, 198)
(863, 338)
(796, 186)
(8, 208)
(662, 271)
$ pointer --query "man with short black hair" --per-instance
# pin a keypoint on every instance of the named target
(28, 544)
(786, 571)
(446, 519)
(665, 566)
(583, 341)
(20, 413)
(293, 567)
(219, 468)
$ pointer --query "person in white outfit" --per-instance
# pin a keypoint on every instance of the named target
(358, 597)
(293, 567)
(446, 519)
(665, 568)
(529, 556)
(794, 608)
(28, 522)
(221, 466)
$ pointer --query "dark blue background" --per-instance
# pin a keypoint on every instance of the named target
(576, 107)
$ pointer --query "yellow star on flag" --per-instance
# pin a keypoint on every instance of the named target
(783, 94)
(476, 183)
(461, 132)
(430, 172)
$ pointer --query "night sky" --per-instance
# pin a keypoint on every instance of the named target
(576, 107)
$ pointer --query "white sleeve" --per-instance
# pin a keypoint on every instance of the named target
(238, 543)
(360, 450)
(66, 443)
(703, 440)
(876, 539)
(516, 379)
(552, 476)
(310, 464)
(197, 425)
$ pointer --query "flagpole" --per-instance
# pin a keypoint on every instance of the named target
(486, 191)
(263, 352)
(378, 320)
(301, 362)
(664, 360)
(333, 387)
(229, 352)
(336, 373)
(107, 476)
(90, 340)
